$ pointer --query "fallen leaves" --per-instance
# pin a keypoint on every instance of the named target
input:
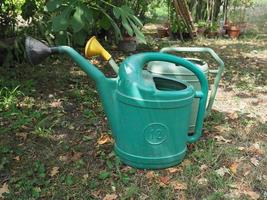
(4, 189)
(254, 161)
(56, 104)
(54, 171)
(164, 179)
(253, 195)
(174, 169)
(150, 174)
(110, 197)
(222, 139)
(202, 181)
(233, 167)
(222, 171)
(71, 156)
(105, 138)
(178, 185)
(241, 189)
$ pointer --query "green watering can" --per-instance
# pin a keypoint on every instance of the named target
(94, 48)
(149, 118)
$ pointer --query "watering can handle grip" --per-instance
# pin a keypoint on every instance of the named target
(141, 59)
(216, 58)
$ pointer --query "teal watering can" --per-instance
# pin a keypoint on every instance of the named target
(149, 118)
(94, 48)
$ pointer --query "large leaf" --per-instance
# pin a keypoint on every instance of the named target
(139, 35)
(126, 25)
(88, 15)
(60, 22)
(136, 20)
(104, 23)
(127, 9)
(117, 12)
(77, 21)
(52, 5)
(113, 23)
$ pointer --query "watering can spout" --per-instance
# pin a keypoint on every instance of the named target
(37, 51)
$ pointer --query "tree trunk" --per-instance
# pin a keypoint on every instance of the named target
(217, 6)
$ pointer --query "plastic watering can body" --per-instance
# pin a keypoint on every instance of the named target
(149, 117)
(154, 113)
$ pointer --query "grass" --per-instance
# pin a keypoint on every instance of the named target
(52, 119)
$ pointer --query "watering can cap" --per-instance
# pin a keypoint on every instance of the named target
(94, 48)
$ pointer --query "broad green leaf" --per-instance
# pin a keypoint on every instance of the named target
(52, 5)
(77, 22)
(136, 20)
(139, 35)
(126, 25)
(113, 23)
(88, 15)
(117, 12)
(60, 22)
(127, 9)
(104, 23)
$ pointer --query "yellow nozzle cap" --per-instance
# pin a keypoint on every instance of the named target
(94, 48)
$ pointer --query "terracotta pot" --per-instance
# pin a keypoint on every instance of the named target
(233, 31)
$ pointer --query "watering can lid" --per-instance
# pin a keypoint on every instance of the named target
(167, 68)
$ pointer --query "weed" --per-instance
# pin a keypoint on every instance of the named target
(9, 98)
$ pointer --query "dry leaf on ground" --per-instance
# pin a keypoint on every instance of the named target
(222, 171)
(54, 171)
(110, 197)
(255, 148)
(253, 195)
(150, 174)
(233, 167)
(241, 148)
(222, 139)
(202, 181)
(254, 161)
(164, 179)
(56, 104)
(75, 156)
(17, 158)
(104, 139)
(179, 185)
(174, 169)
(4, 189)
(203, 167)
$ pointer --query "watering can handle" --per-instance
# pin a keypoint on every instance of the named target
(141, 59)
(218, 72)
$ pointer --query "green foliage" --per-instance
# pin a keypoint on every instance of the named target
(73, 21)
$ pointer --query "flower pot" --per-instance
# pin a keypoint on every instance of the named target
(233, 32)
